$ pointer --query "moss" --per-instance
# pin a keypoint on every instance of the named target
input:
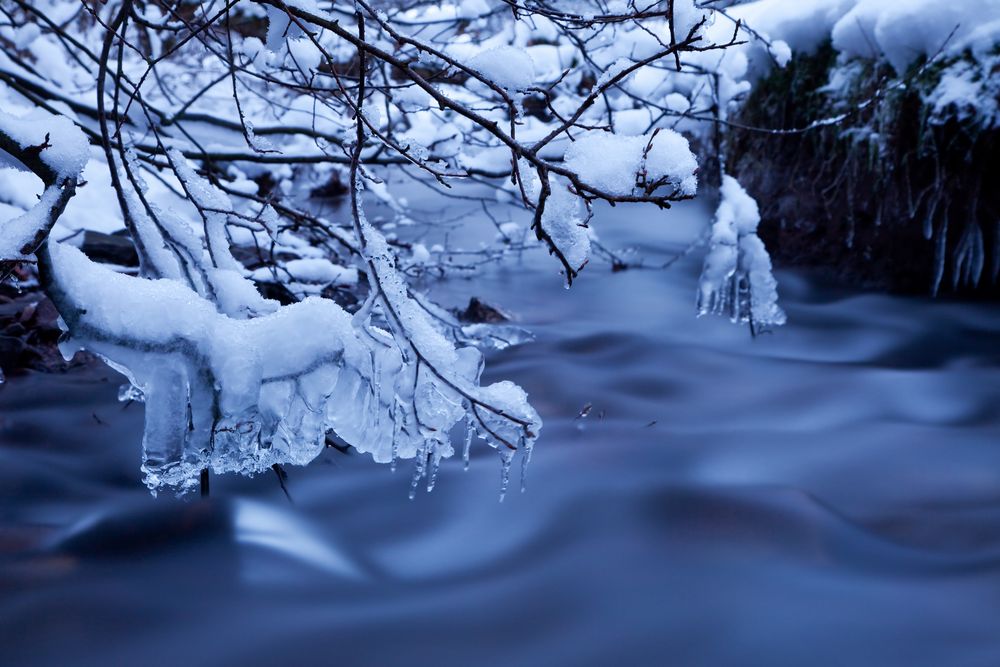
(891, 197)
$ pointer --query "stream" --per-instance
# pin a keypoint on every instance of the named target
(824, 494)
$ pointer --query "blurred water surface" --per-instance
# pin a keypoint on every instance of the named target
(828, 494)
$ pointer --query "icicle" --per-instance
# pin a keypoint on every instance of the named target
(507, 457)
(978, 255)
(468, 441)
(940, 246)
(419, 471)
(435, 463)
(397, 427)
(376, 389)
(960, 259)
(526, 449)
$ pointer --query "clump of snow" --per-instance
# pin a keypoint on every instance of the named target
(66, 148)
(509, 67)
(677, 103)
(968, 90)
(443, 382)
(801, 24)
(686, 16)
(905, 30)
(471, 9)
(623, 165)
(901, 31)
(781, 52)
(963, 34)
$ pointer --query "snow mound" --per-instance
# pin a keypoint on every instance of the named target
(904, 31)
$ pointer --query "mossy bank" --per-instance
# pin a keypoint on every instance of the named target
(902, 192)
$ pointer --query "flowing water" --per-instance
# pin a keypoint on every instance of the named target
(827, 494)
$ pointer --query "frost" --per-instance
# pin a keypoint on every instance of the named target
(616, 68)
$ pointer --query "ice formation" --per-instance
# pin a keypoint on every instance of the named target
(240, 395)
(737, 278)
(233, 382)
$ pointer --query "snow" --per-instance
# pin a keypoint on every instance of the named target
(314, 270)
(622, 165)
(63, 149)
(22, 233)
(304, 55)
(448, 389)
(509, 67)
(968, 90)
(963, 34)
(802, 24)
(737, 278)
(903, 31)
(615, 69)
(68, 149)
(563, 222)
(686, 16)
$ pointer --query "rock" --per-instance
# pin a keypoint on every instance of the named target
(333, 187)
(109, 248)
(480, 312)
